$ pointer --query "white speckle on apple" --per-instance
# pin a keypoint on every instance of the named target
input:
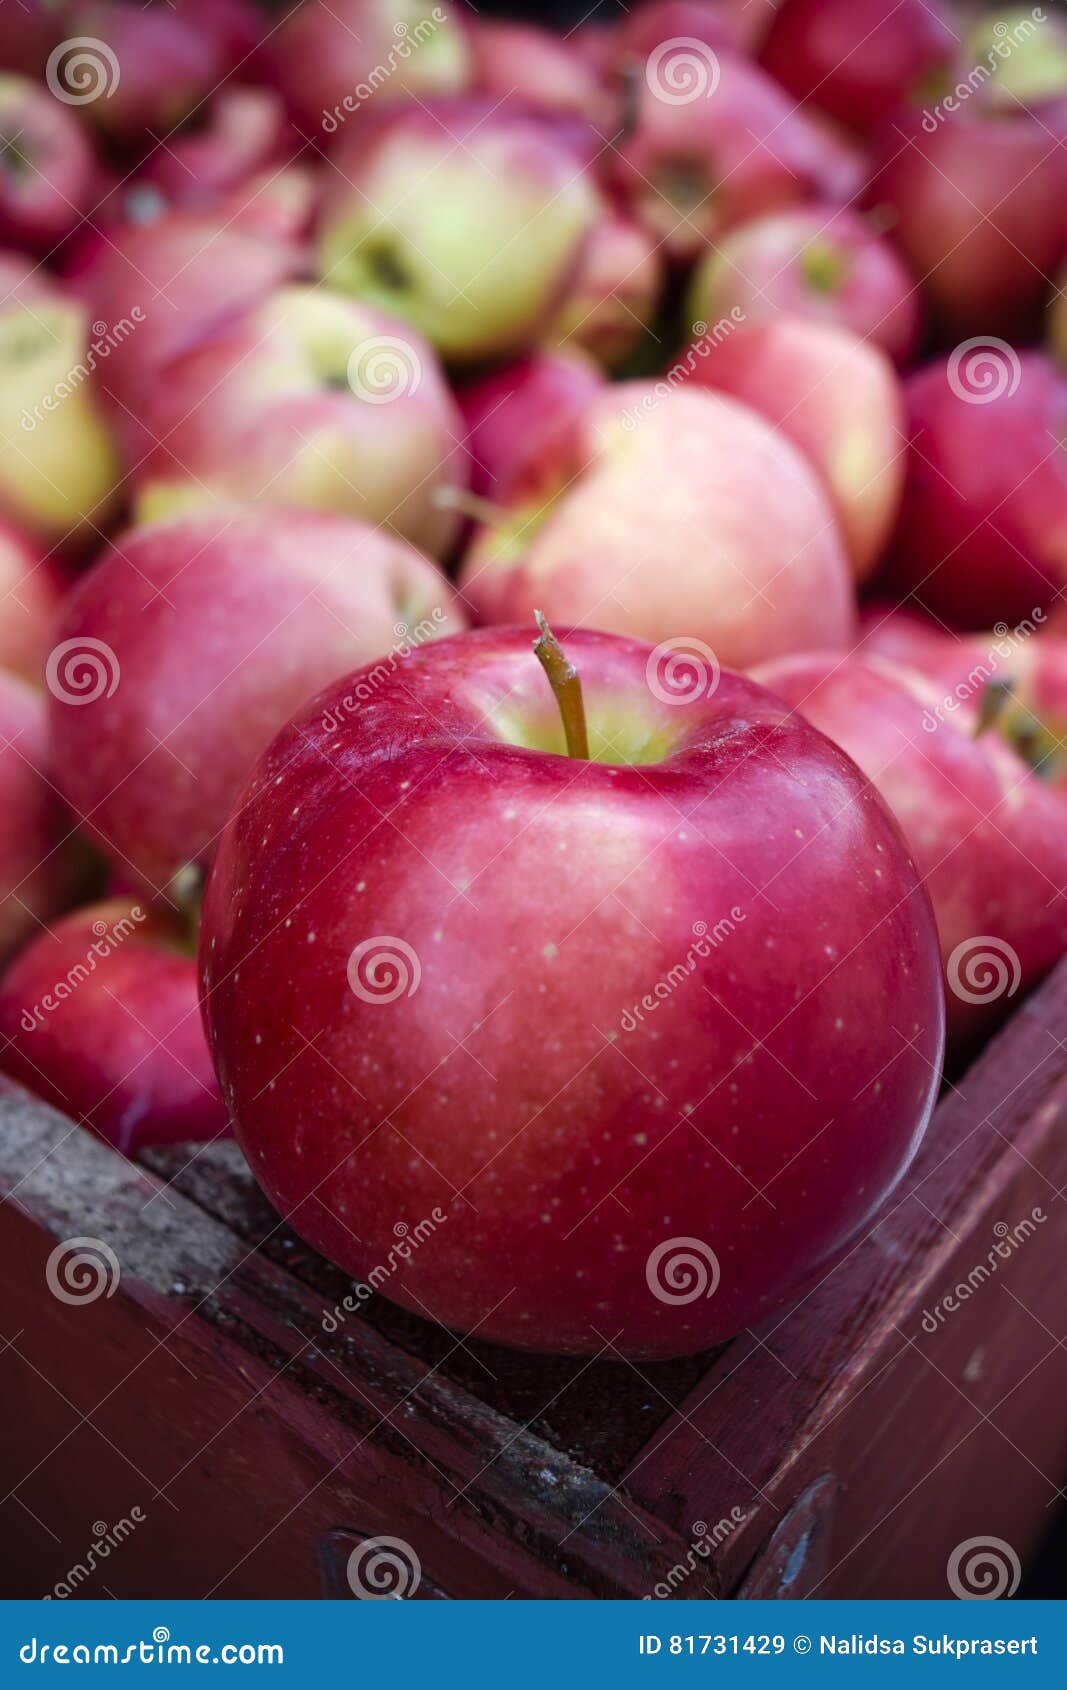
(549, 952)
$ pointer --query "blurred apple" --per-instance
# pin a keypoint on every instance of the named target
(245, 131)
(524, 413)
(827, 266)
(611, 302)
(839, 400)
(47, 169)
(34, 872)
(1025, 49)
(314, 401)
(860, 60)
(23, 280)
(31, 589)
(670, 514)
(525, 63)
(190, 642)
(466, 221)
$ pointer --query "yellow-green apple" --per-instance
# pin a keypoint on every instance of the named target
(521, 61)
(612, 298)
(987, 837)
(655, 517)
(330, 58)
(465, 220)
(48, 170)
(190, 642)
(674, 981)
(860, 60)
(59, 465)
(34, 872)
(983, 531)
(836, 397)
(1025, 53)
(312, 401)
(714, 140)
(826, 266)
(99, 1016)
(517, 416)
(31, 590)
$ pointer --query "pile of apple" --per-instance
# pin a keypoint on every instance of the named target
(587, 994)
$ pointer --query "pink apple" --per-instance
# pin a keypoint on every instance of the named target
(613, 297)
(99, 1016)
(829, 267)
(670, 512)
(190, 642)
(674, 984)
(838, 399)
(715, 141)
(47, 169)
(988, 839)
(525, 63)
(245, 133)
(31, 590)
(983, 530)
(519, 415)
(860, 59)
(34, 869)
(465, 219)
(312, 401)
(22, 280)
(647, 28)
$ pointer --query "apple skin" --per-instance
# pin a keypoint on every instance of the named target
(246, 133)
(48, 171)
(326, 51)
(612, 298)
(523, 62)
(121, 1048)
(987, 837)
(982, 536)
(827, 267)
(517, 416)
(513, 873)
(217, 626)
(467, 221)
(31, 591)
(978, 210)
(34, 872)
(655, 519)
(838, 399)
(860, 60)
(692, 167)
(270, 412)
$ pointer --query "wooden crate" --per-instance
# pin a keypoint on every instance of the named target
(844, 1449)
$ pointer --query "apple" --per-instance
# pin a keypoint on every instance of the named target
(22, 281)
(31, 590)
(518, 415)
(28, 32)
(190, 642)
(47, 169)
(837, 398)
(670, 511)
(523, 62)
(59, 465)
(982, 536)
(860, 60)
(713, 141)
(245, 134)
(987, 837)
(646, 28)
(312, 401)
(825, 266)
(99, 1016)
(465, 220)
(684, 988)
(1025, 49)
(612, 299)
(976, 199)
(34, 872)
(186, 272)
(331, 57)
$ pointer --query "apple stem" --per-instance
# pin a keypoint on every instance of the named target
(564, 680)
(996, 695)
(478, 509)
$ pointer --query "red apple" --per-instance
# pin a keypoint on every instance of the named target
(612, 299)
(988, 839)
(667, 512)
(245, 133)
(31, 589)
(47, 167)
(312, 401)
(33, 869)
(99, 1016)
(190, 642)
(983, 530)
(860, 59)
(22, 281)
(838, 399)
(523, 413)
(523, 62)
(676, 986)
(828, 267)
